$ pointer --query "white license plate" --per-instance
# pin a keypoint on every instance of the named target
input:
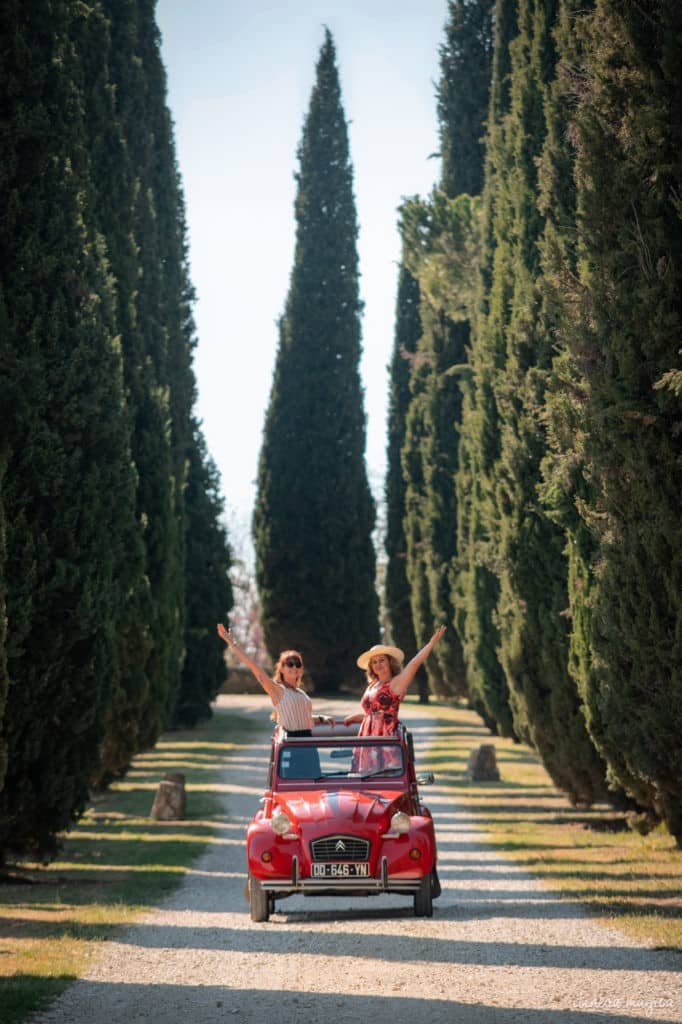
(340, 870)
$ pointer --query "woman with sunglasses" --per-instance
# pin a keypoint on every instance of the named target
(293, 709)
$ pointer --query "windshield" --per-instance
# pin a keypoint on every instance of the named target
(326, 761)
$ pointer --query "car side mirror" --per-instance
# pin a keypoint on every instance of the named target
(425, 779)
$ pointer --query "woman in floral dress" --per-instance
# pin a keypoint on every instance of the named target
(387, 684)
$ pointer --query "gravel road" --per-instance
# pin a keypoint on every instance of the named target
(500, 948)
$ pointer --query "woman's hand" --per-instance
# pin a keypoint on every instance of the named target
(226, 635)
(400, 683)
(436, 636)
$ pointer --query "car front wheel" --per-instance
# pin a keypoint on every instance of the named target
(423, 900)
(258, 898)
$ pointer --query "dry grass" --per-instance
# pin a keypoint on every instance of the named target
(629, 881)
(113, 865)
(116, 862)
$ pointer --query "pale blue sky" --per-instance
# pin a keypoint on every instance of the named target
(240, 74)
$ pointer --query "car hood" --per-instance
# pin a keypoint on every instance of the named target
(341, 807)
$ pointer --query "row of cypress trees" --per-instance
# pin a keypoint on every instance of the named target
(536, 383)
(113, 559)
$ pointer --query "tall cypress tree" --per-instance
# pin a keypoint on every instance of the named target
(314, 514)
(478, 585)
(407, 333)
(209, 592)
(114, 191)
(148, 246)
(463, 94)
(440, 250)
(615, 423)
(531, 566)
(4, 677)
(170, 335)
(69, 486)
(446, 227)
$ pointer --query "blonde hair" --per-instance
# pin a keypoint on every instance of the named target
(393, 662)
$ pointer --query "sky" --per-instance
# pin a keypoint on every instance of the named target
(240, 74)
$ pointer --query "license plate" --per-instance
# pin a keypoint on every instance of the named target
(340, 870)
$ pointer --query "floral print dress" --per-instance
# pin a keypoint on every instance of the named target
(381, 707)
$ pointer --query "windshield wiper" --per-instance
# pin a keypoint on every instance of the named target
(379, 771)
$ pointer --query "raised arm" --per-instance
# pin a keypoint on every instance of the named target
(401, 682)
(263, 678)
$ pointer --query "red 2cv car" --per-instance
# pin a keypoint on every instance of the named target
(342, 816)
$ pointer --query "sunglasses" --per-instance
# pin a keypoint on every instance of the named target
(293, 663)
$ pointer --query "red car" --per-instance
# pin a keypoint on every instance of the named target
(342, 816)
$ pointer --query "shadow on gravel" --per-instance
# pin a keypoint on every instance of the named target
(391, 948)
(23, 993)
(160, 1004)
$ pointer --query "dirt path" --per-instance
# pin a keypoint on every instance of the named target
(500, 947)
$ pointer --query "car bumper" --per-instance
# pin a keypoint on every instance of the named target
(341, 886)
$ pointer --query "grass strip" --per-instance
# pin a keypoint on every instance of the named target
(114, 864)
(589, 855)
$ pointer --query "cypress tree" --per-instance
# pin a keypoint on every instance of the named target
(209, 593)
(431, 453)
(69, 486)
(463, 94)
(533, 634)
(397, 590)
(616, 418)
(440, 250)
(148, 244)
(163, 218)
(4, 677)
(477, 584)
(314, 513)
(114, 190)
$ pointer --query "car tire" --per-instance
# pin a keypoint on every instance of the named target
(435, 884)
(423, 901)
(259, 900)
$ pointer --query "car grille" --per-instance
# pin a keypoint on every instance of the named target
(340, 848)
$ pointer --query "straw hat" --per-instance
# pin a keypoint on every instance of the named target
(393, 652)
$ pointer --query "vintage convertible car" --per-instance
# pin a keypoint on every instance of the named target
(342, 816)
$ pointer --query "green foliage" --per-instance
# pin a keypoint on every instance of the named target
(475, 582)
(96, 335)
(407, 333)
(440, 238)
(114, 188)
(314, 514)
(209, 593)
(146, 231)
(69, 486)
(530, 563)
(463, 94)
(4, 677)
(616, 464)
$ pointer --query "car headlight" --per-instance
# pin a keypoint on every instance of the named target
(280, 822)
(400, 822)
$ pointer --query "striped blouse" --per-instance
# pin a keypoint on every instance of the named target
(294, 709)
